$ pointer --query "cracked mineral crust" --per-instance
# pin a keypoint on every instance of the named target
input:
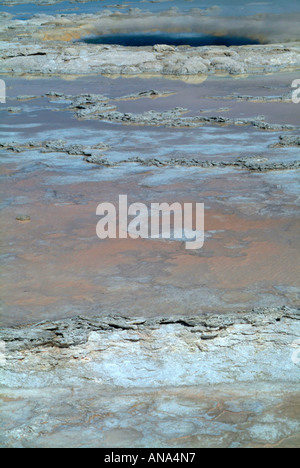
(139, 342)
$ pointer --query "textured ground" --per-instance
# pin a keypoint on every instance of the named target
(210, 381)
(66, 152)
(142, 343)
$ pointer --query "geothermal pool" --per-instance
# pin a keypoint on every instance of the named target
(151, 39)
(141, 342)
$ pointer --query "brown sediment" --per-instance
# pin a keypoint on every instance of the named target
(65, 36)
(57, 259)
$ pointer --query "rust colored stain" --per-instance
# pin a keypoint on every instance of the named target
(55, 266)
(66, 36)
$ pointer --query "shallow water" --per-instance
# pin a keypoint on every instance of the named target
(250, 255)
(225, 7)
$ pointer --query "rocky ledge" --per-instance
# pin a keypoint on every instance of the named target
(55, 57)
(48, 44)
(96, 155)
(256, 346)
(228, 380)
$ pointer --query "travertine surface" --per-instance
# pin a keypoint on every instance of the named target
(40, 44)
(227, 380)
(170, 348)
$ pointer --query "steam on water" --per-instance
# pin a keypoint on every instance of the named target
(193, 40)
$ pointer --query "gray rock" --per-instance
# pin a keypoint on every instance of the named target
(287, 140)
(32, 55)
(14, 110)
(163, 48)
(23, 218)
(155, 352)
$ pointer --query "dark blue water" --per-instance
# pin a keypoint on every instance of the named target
(194, 40)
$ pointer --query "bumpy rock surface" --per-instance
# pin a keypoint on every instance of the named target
(96, 155)
(162, 351)
(40, 45)
(122, 381)
(55, 57)
(288, 140)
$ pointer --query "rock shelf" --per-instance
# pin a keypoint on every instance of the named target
(207, 343)
(56, 58)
